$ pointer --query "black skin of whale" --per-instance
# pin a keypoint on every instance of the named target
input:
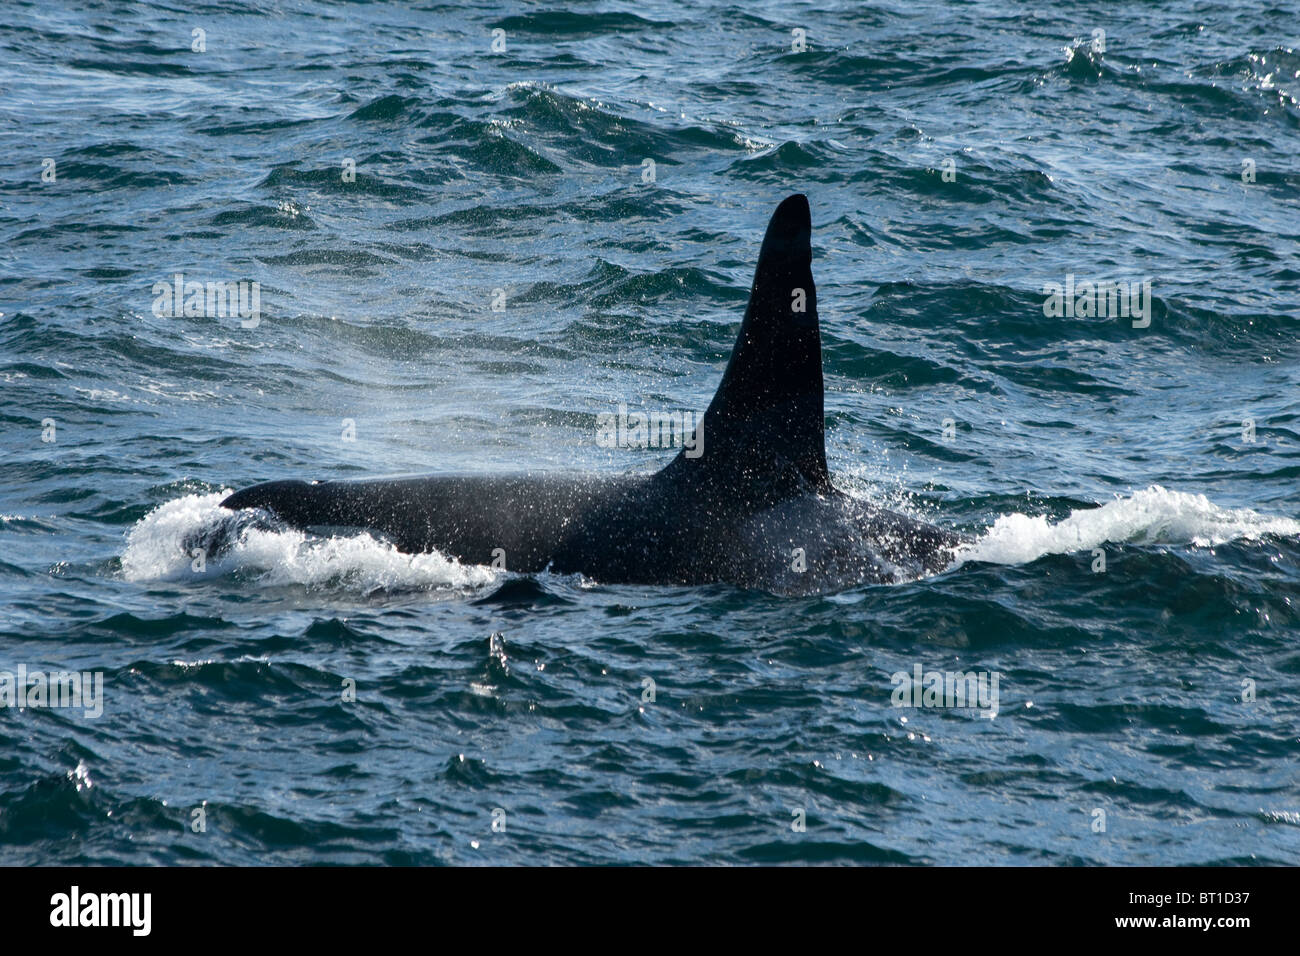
(755, 509)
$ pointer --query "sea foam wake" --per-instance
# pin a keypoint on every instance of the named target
(1153, 516)
(162, 546)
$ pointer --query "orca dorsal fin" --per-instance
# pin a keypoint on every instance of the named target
(768, 412)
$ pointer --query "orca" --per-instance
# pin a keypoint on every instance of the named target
(755, 509)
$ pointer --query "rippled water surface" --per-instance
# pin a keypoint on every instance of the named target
(1148, 705)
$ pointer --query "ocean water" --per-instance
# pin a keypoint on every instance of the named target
(465, 255)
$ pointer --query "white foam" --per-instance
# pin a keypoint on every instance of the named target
(155, 551)
(1153, 516)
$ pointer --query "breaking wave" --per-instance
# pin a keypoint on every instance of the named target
(1155, 515)
(162, 546)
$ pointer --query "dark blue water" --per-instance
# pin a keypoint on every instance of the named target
(1148, 711)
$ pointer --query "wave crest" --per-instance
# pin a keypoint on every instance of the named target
(1155, 515)
(161, 546)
